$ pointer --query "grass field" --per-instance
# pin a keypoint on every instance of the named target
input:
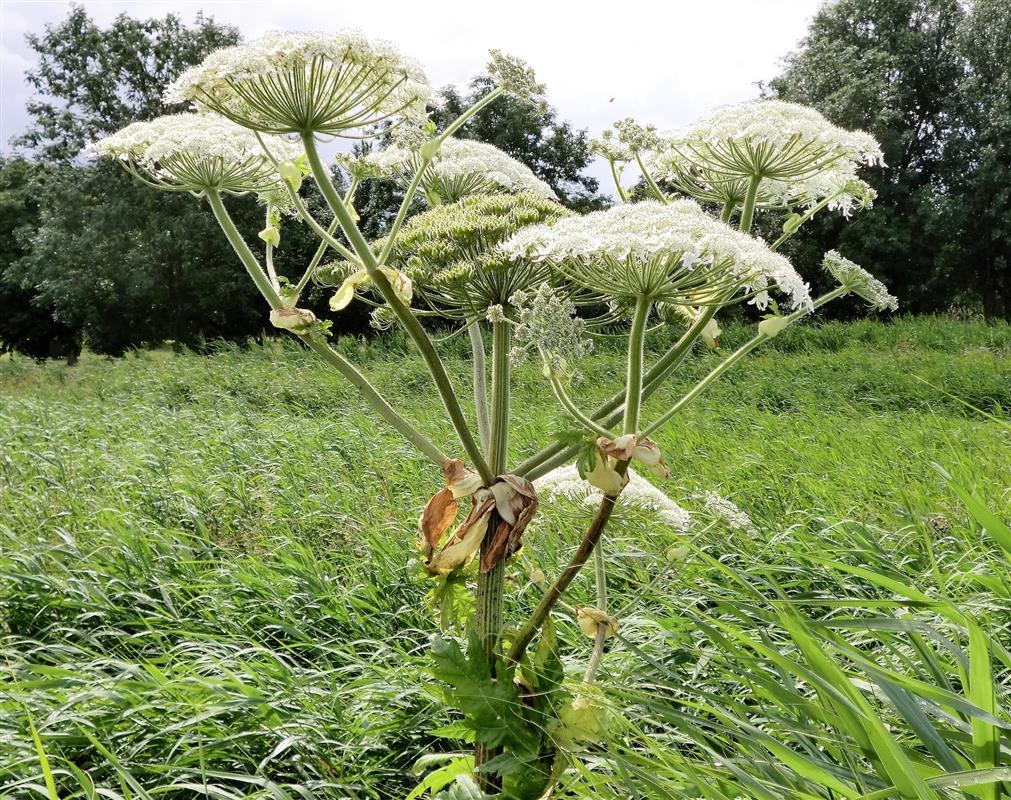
(207, 582)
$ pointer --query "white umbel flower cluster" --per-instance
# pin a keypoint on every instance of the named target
(727, 511)
(198, 152)
(307, 82)
(639, 492)
(462, 168)
(776, 139)
(839, 184)
(618, 251)
(859, 281)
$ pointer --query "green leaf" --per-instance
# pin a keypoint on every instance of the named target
(491, 707)
(979, 512)
(442, 777)
(464, 788)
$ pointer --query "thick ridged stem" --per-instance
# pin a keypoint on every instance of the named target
(480, 385)
(633, 375)
(491, 584)
(748, 210)
(411, 324)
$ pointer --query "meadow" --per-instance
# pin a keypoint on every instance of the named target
(209, 587)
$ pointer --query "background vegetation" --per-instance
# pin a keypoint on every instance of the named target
(86, 255)
(207, 586)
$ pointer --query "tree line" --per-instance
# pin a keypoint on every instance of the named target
(88, 255)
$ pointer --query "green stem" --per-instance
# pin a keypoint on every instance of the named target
(402, 312)
(268, 256)
(727, 212)
(345, 367)
(553, 594)
(480, 385)
(748, 211)
(491, 584)
(574, 411)
(633, 381)
(470, 112)
(622, 194)
(548, 458)
(657, 192)
(402, 211)
(242, 250)
(736, 356)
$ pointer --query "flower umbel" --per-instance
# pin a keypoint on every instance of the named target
(462, 168)
(514, 75)
(860, 282)
(672, 253)
(197, 152)
(547, 324)
(307, 83)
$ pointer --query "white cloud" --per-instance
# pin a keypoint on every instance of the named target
(662, 62)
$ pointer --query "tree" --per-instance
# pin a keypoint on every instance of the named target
(890, 67)
(92, 82)
(555, 151)
(103, 259)
(977, 162)
(27, 324)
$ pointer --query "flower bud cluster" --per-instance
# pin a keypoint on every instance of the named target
(547, 324)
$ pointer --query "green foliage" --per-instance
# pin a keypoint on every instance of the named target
(925, 77)
(27, 325)
(204, 589)
(92, 81)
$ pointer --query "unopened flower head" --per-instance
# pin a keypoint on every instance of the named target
(859, 281)
(547, 325)
(610, 147)
(198, 152)
(773, 139)
(463, 167)
(514, 75)
(328, 83)
(638, 492)
(672, 253)
(636, 137)
(359, 168)
(450, 252)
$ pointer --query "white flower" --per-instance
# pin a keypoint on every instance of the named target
(307, 82)
(199, 152)
(673, 253)
(838, 182)
(727, 511)
(859, 281)
(463, 167)
(565, 482)
(773, 139)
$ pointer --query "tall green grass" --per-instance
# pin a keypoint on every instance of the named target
(207, 584)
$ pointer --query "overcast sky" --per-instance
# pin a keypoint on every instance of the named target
(665, 62)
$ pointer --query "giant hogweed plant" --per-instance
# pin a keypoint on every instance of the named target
(496, 251)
